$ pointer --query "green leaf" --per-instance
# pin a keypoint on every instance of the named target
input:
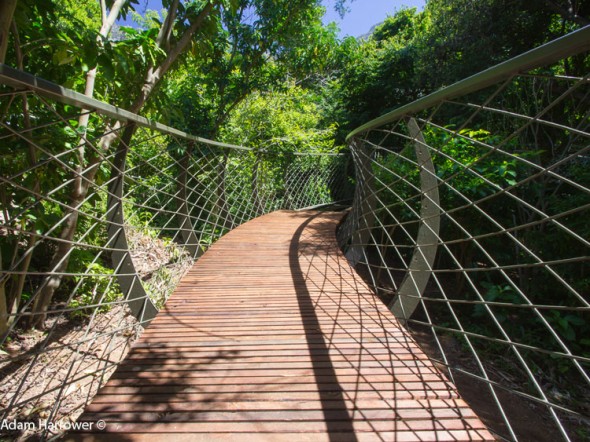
(106, 66)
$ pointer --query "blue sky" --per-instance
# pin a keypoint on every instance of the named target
(362, 16)
(366, 13)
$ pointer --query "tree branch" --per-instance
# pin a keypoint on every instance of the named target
(154, 74)
(7, 8)
(163, 39)
(568, 14)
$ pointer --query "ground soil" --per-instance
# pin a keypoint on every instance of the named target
(53, 374)
(33, 368)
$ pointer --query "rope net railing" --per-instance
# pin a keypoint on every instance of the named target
(102, 213)
(471, 221)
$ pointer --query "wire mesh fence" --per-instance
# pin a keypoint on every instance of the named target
(102, 213)
(471, 221)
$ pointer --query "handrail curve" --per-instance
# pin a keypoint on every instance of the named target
(468, 220)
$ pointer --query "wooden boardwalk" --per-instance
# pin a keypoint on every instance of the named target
(272, 336)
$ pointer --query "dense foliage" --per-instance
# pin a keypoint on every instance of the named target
(414, 53)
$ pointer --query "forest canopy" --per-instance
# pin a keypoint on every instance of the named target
(191, 63)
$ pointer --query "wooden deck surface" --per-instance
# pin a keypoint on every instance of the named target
(272, 336)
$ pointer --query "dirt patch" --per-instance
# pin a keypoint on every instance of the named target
(530, 421)
(160, 264)
(52, 377)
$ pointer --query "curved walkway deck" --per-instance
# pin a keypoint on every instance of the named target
(272, 336)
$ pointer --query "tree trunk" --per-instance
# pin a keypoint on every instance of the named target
(7, 8)
(3, 307)
(61, 257)
(258, 206)
(155, 74)
(15, 296)
(82, 180)
(107, 24)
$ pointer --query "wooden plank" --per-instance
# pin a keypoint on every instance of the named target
(273, 336)
(448, 408)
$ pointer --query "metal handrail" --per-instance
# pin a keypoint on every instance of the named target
(45, 88)
(568, 45)
(26, 81)
(459, 197)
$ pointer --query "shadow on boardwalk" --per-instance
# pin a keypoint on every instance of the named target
(272, 336)
(333, 403)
